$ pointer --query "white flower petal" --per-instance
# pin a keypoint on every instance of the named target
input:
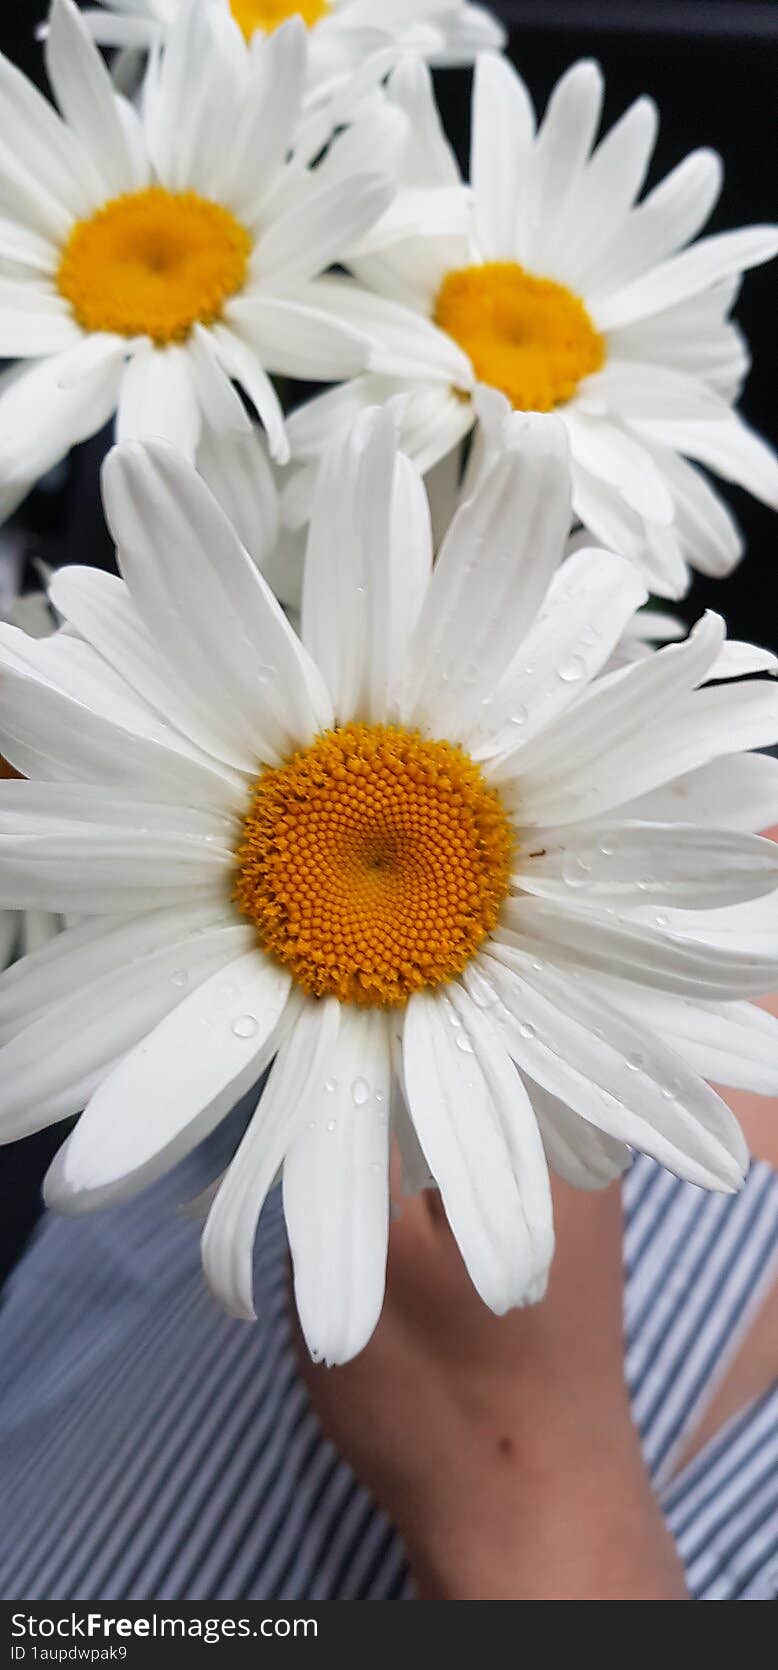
(591, 600)
(633, 863)
(85, 954)
(205, 603)
(671, 281)
(239, 360)
(481, 1141)
(710, 536)
(45, 409)
(403, 343)
(102, 612)
(291, 337)
(45, 168)
(310, 236)
(368, 561)
(730, 1043)
(292, 1095)
(237, 471)
(265, 121)
(503, 131)
(578, 1152)
(604, 448)
(86, 97)
(336, 1193)
(157, 399)
(219, 400)
(611, 715)
(179, 1081)
(729, 447)
(650, 956)
(26, 248)
(50, 735)
(561, 150)
(34, 319)
(82, 866)
(668, 218)
(605, 192)
(52, 1067)
(614, 1074)
(739, 791)
(491, 573)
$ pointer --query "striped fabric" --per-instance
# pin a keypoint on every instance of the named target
(152, 1449)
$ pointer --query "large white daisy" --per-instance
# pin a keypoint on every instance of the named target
(459, 884)
(161, 258)
(342, 32)
(547, 282)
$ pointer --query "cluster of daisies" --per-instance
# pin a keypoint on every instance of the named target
(363, 780)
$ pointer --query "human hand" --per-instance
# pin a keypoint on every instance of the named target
(502, 1447)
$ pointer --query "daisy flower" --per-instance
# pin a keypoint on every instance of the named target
(155, 265)
(547, 282)
(458, 885)
(342, 33)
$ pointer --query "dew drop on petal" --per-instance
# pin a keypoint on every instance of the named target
(636, 1062)
(661, 920)
(332, 1125)
(179, 977)
(526, 1029)
(520, 716)
(360, 1092)
(330, 1085)
(575, 873)
(245, 1026)
(463, 1043)
(573, 670)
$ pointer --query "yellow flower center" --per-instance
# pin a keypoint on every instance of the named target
(373, 863)
(528, 337)
(251, 15)
(153, 263)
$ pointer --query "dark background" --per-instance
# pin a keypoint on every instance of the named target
(711, 66)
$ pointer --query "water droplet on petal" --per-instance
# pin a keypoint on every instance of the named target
(636, 1062)
(571, 671)
(520, 716)
(463, 1043)
(661, 919)
(526, 1029)
(606, 849)
(575, 873)
(179, 977)
(360, 1092)
(332, 1125)
(330, 1085)
(265, 674)
(245, 1026)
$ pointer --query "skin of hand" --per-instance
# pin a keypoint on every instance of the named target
(503, 1447)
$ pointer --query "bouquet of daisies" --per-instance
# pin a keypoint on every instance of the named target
(368, 780)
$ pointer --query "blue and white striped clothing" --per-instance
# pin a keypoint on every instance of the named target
(151, 1448)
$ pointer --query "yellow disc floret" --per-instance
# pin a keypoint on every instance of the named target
(153, 263)
(266, 15)
(374, 863)
(528, 337)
